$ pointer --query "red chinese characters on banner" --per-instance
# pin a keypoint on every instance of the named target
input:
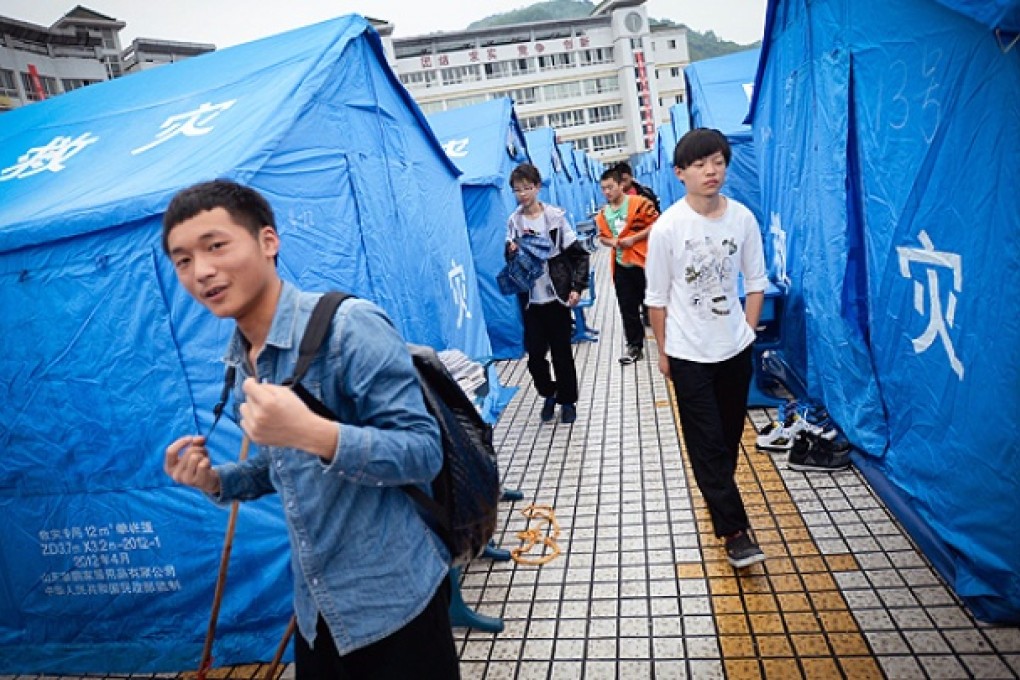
(585, 41)
(522, 50)
(568, 44)
(490, 53)
(540, 48)
(473, 56)
(444, 60)
(644, 99)
(426, 61)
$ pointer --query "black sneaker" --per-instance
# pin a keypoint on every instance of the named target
(548, 409)
(634, 353)
(742, 551)
(812, 453)
(568, 413)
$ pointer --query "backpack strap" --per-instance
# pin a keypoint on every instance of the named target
(315, 333)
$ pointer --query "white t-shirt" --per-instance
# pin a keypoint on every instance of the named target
(552, 217)
(692, 268)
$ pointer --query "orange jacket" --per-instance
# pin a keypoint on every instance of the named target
(641, 215)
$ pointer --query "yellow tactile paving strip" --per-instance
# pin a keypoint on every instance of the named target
(785, 618)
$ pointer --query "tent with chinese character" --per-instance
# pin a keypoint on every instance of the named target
(719, 92)
(486, 142)
(889, 175)
(108, 566)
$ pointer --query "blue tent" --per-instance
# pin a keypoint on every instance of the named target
(667, 187)
(545, 154)
(486, 142)
(108, 566)
(577, 204)
(588, 186)
(719, 93)
(890, 168)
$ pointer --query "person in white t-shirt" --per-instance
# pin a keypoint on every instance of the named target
(704, 337)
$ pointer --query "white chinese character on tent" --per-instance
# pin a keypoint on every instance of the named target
(937, 323)
(50, 157)
(458, 286)
(457, 148)
(190, 124)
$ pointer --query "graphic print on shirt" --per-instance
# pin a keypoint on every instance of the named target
(709, 273)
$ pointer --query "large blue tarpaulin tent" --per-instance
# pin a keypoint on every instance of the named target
(108, 566)
(486, 142)
(888, 136)
(545, 154)
(719, 94)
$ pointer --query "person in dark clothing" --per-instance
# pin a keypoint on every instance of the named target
(632, 187)
(547, 317)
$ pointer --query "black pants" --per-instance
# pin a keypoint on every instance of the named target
(713, 404)
(547, 330)
(423, 648)
(630, 294)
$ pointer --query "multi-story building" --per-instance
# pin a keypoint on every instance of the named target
(81, 48)
(144, 53)
(603, 82)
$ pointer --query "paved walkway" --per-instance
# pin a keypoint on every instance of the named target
(642, 588)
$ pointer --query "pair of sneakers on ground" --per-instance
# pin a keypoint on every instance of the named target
(634, 353)
(568, 412)
(808, 435)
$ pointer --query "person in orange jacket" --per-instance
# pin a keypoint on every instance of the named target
(624, 224)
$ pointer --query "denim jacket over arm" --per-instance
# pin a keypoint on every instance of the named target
(360, 553)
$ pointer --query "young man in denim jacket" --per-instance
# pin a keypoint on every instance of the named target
(370, 586)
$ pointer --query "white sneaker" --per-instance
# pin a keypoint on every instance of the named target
(775, 437)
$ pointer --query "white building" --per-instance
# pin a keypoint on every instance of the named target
(604, 82)
(144, 53)
(81, 48)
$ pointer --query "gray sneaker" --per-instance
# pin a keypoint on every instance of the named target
(742, 551)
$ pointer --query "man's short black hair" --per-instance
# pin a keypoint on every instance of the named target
(525, 172)
(623, 167)
(246, 206)
(612, 173)
(700, 143)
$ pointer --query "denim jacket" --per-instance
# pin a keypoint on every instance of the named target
(360, 553)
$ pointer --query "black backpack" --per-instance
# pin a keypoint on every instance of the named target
(466, 493)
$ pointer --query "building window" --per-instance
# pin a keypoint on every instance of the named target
(603, 114)
(509, 68)
(616, 140)
(674, 72)
(74, 83)
(460, 74)
(599, 55)
(113, 67)
(532, 122)
(49, 86)
(464, 101)
(416, 79)
(671, 44)
(109, 39)
(431, 107)
(561, 91)
(8, 88)
(566, 119)
(635, 44)
(521, 95)
(552, 62)
(602, 85)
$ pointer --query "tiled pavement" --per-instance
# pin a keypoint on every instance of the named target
(642, 589)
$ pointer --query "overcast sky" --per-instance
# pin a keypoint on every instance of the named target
(228, 22)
